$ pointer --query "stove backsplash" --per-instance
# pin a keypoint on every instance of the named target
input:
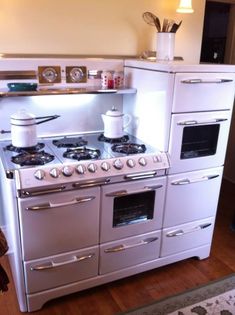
(78, 113)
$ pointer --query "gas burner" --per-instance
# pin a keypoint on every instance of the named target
(33, 149)
(123, 139)
(129, 148)
(82, 153)
(69, 142)
(32, 158)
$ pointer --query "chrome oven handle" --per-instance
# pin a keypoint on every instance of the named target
(27, 193)
(121, 193)
(201, 81)
(52, 264)
(91, 183)
(203, 122)
(187, 181)
(140, 175)
(50, 205)
(183, 232)
(122, 247)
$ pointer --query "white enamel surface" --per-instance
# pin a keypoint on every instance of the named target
(193, 201)
(204, 96)
(192, 236)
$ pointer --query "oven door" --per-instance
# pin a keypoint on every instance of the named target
(59, 222)
(198, 140)
(131, 208)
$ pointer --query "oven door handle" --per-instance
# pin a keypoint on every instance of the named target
(201, 81)
(202, 122)
(183, 232)
(50, 205)
(52, 264)
(187, 181)
(122, 247)
(121, 193)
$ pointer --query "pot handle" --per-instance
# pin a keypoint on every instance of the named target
(127, 123)
(46, 118)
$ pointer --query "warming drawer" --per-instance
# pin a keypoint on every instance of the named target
(129, 251)
(54, 271)
(192, 196)
(203, 91)
(187, 236)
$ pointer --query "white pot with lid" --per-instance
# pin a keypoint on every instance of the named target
(114, 123)
(23, 128)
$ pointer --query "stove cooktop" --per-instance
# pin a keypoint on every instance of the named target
(81, 157)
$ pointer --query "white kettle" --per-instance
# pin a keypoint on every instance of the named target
(23, 128)
(114, 124)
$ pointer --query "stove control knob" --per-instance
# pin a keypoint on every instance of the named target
(105, 166)
(54, 172)
(142, 161)
(118, 164)
(67, 171)
(81, 169)
(130, 163)
(92, 168)
(39, 174)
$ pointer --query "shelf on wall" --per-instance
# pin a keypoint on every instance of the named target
(67, 91)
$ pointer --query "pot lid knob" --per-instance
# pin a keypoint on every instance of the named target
(114, 112)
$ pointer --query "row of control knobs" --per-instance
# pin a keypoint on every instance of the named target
(92, 168)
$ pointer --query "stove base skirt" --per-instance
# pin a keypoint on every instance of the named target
(37, 300)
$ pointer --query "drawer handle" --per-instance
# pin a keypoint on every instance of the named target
(201, 81)
(194, 229)
(50, 205)
(52, 264)
(121, 193)
(122, 247)
(203, 122)
(188, 181)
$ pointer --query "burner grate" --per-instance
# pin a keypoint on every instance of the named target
(33, 158)
(33, 149)
(123, 139)
(129, 148)
(69, 142)
(82, 153)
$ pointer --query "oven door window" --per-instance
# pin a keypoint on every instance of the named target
(133, 208)
(199, 141)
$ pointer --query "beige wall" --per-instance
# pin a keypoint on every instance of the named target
(94, 27)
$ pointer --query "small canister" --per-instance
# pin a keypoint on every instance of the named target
(118, 79)
(107, 79)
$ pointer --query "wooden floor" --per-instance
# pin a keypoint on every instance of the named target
(144, 288)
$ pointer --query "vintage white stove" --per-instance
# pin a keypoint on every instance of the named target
(81, 211)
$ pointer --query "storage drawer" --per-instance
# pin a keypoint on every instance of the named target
(50, 272)
(182, 237)
(129, 251)
(203, 91)
(192, 196)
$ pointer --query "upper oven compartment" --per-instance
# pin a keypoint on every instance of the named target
(203, 92)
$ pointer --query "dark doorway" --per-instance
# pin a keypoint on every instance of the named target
(215, 32)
